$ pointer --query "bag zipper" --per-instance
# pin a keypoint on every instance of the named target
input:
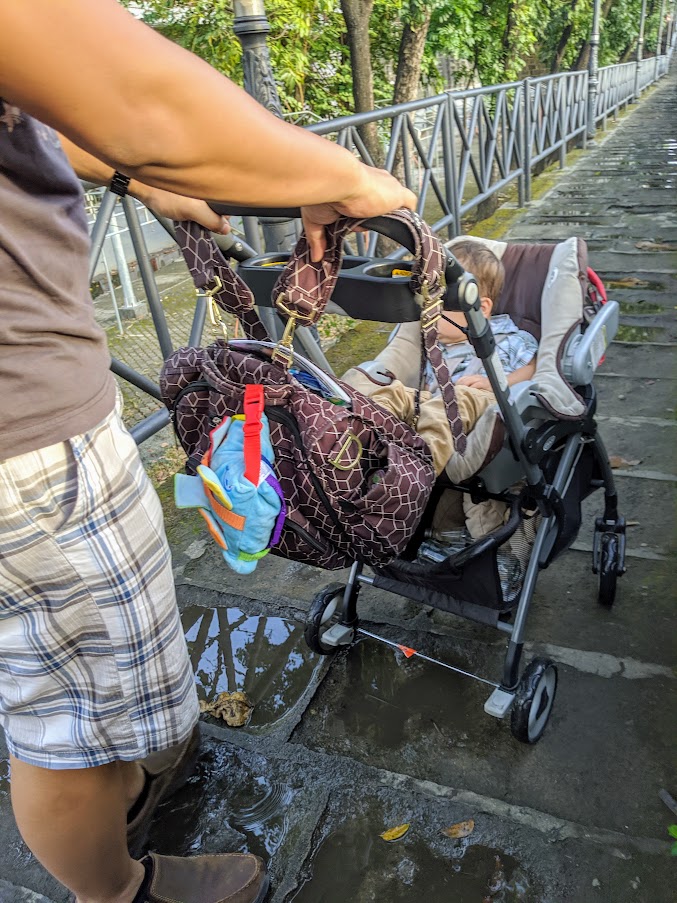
(286, 419)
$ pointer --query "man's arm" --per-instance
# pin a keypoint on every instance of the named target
(173, 206)
(156, 112)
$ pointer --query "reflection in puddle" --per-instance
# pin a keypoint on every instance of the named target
(266, 658)
(353, 863)
(390, 701)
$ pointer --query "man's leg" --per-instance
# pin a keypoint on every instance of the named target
(75, 822)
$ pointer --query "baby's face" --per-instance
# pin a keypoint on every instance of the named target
(448, 333)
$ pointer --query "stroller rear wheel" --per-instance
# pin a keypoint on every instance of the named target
(533, 700)
(608, 569)
(324, 613)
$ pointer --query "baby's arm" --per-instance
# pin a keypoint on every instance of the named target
(522, 374)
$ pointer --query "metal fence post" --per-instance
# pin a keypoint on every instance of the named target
(640, 50)
(527, 139)
(563, 97)
(251, 26)
(593, 71)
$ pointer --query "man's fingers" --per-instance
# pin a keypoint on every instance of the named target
(316, 237)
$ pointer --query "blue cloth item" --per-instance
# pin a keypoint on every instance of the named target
(244, 515)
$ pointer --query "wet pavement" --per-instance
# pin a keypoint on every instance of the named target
(338, 751)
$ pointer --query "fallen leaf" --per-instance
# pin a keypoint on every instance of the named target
(461, 829)
(655, 246)
(393, 834)
(632, 523)
(672, 830)
(235, 708)
(616, 461)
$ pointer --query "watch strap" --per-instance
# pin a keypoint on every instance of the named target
(119, 184)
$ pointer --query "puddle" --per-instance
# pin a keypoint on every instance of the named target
(4, 775)
(266, 658)
(262, 810)
(354, 863)
(224, 806)
(639, 334)
(390, 701)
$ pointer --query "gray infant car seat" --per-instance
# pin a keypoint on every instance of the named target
(545, 294)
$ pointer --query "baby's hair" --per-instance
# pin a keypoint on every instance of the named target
(483, 264)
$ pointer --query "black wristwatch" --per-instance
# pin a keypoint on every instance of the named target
(119, 183)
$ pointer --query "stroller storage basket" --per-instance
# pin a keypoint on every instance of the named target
(465, 581)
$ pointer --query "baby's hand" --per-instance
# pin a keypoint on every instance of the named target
(475, 382)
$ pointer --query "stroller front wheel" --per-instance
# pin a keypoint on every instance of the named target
(325, 613)
(533, 700)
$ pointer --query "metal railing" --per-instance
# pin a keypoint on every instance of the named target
(455, 150)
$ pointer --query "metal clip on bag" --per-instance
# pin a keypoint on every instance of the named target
(355, 479)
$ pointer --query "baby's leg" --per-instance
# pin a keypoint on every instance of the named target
(433, 424)
(396, 398)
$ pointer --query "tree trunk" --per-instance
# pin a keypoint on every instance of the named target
(357, 14)
(507, 39)
(564, 40)
(583, 57)
(408, 77)
(412, 45)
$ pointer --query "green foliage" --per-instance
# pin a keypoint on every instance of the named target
(492, 41)
(672, 831)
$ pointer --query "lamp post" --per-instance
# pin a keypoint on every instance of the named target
(640, 50)
(659, 40)
(671, 22)
(251, 26)
(593, 70)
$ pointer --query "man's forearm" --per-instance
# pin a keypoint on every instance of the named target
(145, 106)
(90, 169)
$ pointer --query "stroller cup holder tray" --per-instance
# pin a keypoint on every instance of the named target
(367, 288)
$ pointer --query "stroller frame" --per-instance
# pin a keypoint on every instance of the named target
(546, 453)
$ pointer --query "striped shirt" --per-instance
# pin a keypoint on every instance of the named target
(516, 348)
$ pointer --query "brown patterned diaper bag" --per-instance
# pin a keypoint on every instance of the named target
(355, 479)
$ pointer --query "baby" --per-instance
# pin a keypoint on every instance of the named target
(516, 349)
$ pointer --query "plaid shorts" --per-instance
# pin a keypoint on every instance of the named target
(93, 662)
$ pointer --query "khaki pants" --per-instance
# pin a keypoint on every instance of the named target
(432, 423)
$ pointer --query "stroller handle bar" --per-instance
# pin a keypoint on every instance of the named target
(461, 293)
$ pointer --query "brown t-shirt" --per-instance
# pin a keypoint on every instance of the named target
(54, 364)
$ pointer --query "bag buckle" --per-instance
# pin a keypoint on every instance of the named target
(350, 441)
(215, 317)
(430, 307)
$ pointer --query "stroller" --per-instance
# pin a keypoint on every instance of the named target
(545, 456)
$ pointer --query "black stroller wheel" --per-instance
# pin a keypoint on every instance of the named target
(324, 613)
(608, 569)
(533, 700)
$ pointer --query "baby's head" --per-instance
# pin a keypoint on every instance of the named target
(488, 270)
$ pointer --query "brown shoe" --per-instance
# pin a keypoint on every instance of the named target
(166, 771)
(227, 878)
